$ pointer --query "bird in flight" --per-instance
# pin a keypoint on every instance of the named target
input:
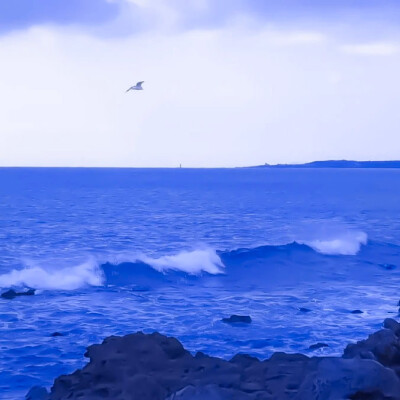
(138, 86)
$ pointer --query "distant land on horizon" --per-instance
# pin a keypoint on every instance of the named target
(336, 164)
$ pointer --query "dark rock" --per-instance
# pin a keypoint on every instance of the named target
(357, 312)
(156, 367)
(303, 309)
(368, 395)
(237, 319)
(37, 393)
(337, 378)
(382, 346)
(11, 294)
(200, 354)
(318, 346)
(244, 360)
(55, 334)
(393, 325)
(209, 392)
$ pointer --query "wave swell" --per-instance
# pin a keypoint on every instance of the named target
(130, 269)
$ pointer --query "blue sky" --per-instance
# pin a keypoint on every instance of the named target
(22, 14)
(227, 83)
(19, 14)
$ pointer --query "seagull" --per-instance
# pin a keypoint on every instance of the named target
(138, 86)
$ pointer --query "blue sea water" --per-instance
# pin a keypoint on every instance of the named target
(114, 251)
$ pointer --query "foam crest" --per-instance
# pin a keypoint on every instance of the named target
(346, 244)
(69, 278)
(191, 262)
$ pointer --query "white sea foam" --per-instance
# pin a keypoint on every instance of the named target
(68, 278)
(346, 243)
(89, 273)
(194, 262)
(202, 259)
(191, 262)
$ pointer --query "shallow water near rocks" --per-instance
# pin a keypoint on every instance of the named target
(114, 251)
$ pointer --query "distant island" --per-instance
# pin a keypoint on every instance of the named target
(336, 164)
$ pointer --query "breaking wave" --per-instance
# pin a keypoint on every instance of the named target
(347, 244)
(192, 262)
(69, 278)
(127, 269)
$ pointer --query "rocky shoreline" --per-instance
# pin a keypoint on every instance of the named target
(155, 367)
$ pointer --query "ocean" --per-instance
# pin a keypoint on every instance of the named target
(312, 255)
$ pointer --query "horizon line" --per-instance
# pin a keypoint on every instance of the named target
(181, 167)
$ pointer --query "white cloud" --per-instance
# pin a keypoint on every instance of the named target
(220, 97)
(373, 49)
(296, 38)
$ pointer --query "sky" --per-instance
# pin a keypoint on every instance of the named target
(227, 82)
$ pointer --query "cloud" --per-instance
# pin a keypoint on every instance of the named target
(211, 13)
(372, 49)
(224, 86)
(125, 17)
(296, 38)
(213, 97)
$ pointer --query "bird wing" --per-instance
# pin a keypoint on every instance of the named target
(129, 89)
(139, 84)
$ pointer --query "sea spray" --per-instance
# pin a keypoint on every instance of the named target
(69, 278)
(192, 262)
(346, 244)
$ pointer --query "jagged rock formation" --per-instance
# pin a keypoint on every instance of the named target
(156, 367)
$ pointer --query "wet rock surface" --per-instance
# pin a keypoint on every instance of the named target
(382, 346)
(12, 294)
(317, 346)
(156, 367)
(237, 319)
(37, 393)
